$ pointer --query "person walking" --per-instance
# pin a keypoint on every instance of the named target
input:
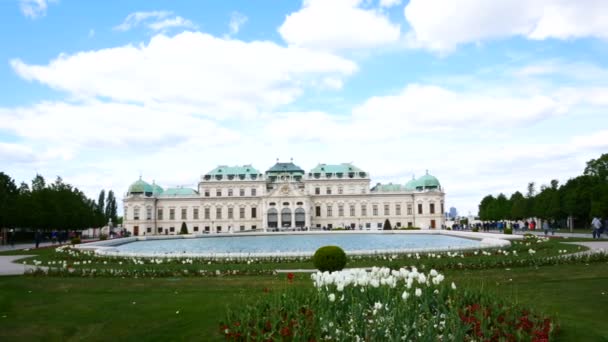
(546, 227)
(11, 237)
(596, 225)
(533, 225)
(37, 237)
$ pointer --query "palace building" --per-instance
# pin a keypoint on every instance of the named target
(230, 199)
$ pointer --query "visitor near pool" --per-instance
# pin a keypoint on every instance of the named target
(233, 199)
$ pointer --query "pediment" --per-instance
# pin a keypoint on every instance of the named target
(286, 190)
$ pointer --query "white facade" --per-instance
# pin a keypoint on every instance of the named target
(233, 199)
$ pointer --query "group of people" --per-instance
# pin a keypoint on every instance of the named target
(598, 227)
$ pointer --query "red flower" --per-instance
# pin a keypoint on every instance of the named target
(290, 277)
(285, 332)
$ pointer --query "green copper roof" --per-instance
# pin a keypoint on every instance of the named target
(180, 191)
(225, 172)
(428, 182)
(335, 168)
(157, 189)
(140, 187)
(285, 167)
(411, 184)
(390, 187)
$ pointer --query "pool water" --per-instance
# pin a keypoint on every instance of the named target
(298, 244)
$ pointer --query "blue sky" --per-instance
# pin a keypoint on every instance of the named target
(487, 96)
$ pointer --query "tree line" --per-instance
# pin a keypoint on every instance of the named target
(581, 198)
(51, 206)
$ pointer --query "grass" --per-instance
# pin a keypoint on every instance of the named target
(85, 309)
(75, 309)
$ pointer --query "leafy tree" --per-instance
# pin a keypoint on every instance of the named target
(101, 202)
(38, 183)
(111, 207)
(387, 225)
(8, 196)
(518, 206)
(598, 167)
(503, 208)
(486, 208)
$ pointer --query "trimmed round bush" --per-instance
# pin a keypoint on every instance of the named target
(75, 240)
(329, 258)
(508, 230)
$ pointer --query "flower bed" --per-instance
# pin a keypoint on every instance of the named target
(383, 305)
(533, 251)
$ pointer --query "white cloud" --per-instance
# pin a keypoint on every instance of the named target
(33, 8)
(430, 107)
(441, 26)
(338, 25)
(155, 20)
(236, 21)
(16, 153)
(389, 3)
(215, 76)
(134, 19)
(171, 23)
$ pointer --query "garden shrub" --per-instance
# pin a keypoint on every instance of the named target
(329, 258)
(103, 237)
(184, 229)
(508, 231)
(475, 229)
(75, 240)
(387, 225)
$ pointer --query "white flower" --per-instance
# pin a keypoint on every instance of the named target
(405, 295)
(331, 297)
(433, 273)
(453, 286)
(377, 305)
(418, 292)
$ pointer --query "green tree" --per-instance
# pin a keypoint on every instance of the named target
(486, 208)
(518, 206)
(387, 225)
(502, 210)
(38, 183)
(184, 229)
(530, 199)
(111, 207)
(8, 197)
(101, 202)
(598, 167)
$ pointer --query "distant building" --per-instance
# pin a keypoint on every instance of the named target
(240, 198)
(453, 213)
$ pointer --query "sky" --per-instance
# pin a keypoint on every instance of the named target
(485, 95)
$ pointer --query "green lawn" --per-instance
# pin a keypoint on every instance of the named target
(74, 309)
(89, 309)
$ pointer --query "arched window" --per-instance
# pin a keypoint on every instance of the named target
(273, 218)
(300, 217)
(286, 217)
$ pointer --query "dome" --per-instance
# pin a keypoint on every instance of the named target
(140, 188)
(428, 182)
(179, 192)
(157, 189)
(412, 184)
